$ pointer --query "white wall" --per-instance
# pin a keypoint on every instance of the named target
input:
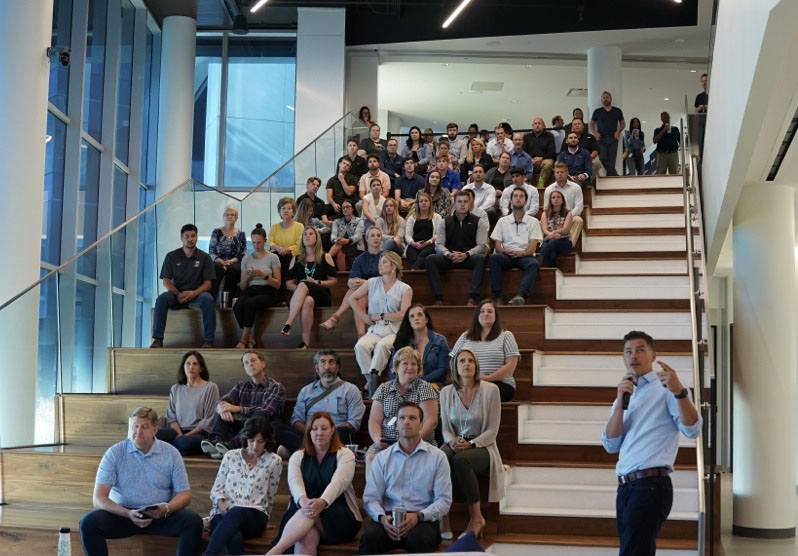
(361, 81)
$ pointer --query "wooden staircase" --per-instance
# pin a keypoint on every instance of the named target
(628, 271)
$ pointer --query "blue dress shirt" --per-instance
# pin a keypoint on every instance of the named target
(344, 404)
(420, 482)
(523, 160)
(651, 428)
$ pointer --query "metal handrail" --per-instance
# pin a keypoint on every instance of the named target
(698, 359)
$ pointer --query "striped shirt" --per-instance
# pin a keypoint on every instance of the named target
(491, 354)
(267, 397)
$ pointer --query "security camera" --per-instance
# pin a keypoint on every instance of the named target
(64, 56)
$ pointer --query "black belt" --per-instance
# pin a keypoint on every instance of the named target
(667, 152)
(642, 473)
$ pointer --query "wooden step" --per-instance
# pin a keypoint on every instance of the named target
(593, 527)
(575, 539)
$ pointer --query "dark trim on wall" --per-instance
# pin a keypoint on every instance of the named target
(759, 533)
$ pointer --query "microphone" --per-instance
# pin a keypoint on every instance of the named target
(626, 395)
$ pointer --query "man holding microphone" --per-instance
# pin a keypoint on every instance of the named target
(650, 410)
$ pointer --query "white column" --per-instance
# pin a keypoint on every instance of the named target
(175, 126)
(362, 81)
(764, 362)
(604, 74)
(25, 34)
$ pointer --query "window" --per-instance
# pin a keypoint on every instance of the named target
(95, 69)
(149, 115)
(83, 358)
(118, 211)
(59, 74)
(125, 80)
(53, 190)
(207, 109)
(87, 207)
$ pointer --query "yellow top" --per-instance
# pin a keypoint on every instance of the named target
(287, 238)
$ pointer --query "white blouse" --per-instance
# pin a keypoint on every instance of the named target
(245, 487)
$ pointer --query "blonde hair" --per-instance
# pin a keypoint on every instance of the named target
(406, 353)
(394, 228)
(470, 155)
(318, 252)
(418, 208)
(395, 260)
(230, 207)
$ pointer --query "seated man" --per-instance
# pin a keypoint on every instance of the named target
(414, 474)
(407, 185)
(260, 396)
(372, 144)
(391, 161)
(499, 144)
(449, 178)
(319, 206)
(341, 187)
(141, 489)
(520, 158)
(484, 193)
(540, 145)
(364, 185)
(187, 275)
(476, 211)
(516, 236)
(519, 180)
(357, 163)
(572, 194)
(461, 241)
(457, 146)
(577, 160)
(342, 400)
(587, 142)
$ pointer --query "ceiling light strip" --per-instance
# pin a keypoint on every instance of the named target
(455, 13)
(257, 6)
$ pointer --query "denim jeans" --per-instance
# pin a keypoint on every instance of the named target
(228, 531)
(641, 508)
(550, 248)
(99, 525)
(435, 263)
(388, 244)
(499, 262)
(168, 300)
(187, 445)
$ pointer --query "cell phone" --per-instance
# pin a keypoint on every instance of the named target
(149, 508)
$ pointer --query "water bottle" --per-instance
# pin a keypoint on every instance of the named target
(64, 542)
(541, 185)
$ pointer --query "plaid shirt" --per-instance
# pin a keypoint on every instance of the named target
(267, 396)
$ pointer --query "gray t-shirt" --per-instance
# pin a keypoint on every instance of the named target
(267, 263)
(193, 407)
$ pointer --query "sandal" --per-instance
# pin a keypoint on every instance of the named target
(251, 344)
(286, 331)
(330, 323)
(302, 345)
(241, 345)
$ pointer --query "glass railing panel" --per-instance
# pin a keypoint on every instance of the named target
(209, 208)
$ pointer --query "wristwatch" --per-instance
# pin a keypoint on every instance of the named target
(420, 516)
(382, 316)
(166, 510)
(681, 395)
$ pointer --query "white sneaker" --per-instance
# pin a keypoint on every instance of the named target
(283, 452)
(208, 448)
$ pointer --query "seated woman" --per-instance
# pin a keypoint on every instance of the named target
(244, 489)
(441, 197)
(418, 149)
(556, 224)
(304, 215)
(476, 155)
(346, 236)
(420, 234)
(416, 331)
(227, 248)
(260, 286)
(392, 226)
(388, 299)
(310, 276)
(192, 406)
(408, 386)
(323, 505)
(471, 414)
(494, 348)
(372, 204)
(499, 176)
(285, 235)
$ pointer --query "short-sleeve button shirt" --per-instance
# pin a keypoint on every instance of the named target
(188, 273)
(388, 393)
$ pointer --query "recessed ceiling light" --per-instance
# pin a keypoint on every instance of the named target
(444, 65)
(513, 101)
(529, 66)
(644, 121)
(678, 1)
(666, 98)
(290, 107)
(693, 71)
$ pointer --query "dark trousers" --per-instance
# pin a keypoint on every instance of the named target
(224, 431)
(417, 257)
(499, 262)
(288, 436)
(253, 300)
(608, 152)
(231, 278)
(187, 445)
(635, 163)
(168, 300)
(506, 392)
(551, 248)
(424, 537)
(641, 508)
(465, 467)
(228, 531)
(99, 525)
(435, 263)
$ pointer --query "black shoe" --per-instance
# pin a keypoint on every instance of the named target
(286, 330)
(157, 343)
(207, 344)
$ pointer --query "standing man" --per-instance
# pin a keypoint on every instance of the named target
(667, 139)
(517, 236)
(577, 160)
(137, 473)
(702, 98)
(187, 274)
(259, 396)
(342, 400)
(572, 194)
(540, 145)
(607, 124)
(499, 144)
(411, 473)
(647, 436)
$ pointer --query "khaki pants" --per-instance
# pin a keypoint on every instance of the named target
(546, 169)
(668, 163)
(576, 229)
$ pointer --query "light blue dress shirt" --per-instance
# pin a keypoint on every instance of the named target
(651, 428)
(138, 479)
(344, 404)
(420, 482)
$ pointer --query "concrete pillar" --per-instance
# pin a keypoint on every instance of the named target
(25, 34)
(604, 74)
(175, 128)
(764, 362)
(362, 81)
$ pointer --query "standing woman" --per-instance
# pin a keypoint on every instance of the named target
(420, 234)
(260, 286)
(476, 155)
(244, 490)
(388, 299)
(634, 145)
(440, 196)
(311, 275)
(227, 248)
(417, 149)
(323, 505)
(494, 348)
(392, 226)
(192, 406)
(417, 332)
(556, 224)
(471, 415)
(286, 235)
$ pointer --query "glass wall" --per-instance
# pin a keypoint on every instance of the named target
(243, 110)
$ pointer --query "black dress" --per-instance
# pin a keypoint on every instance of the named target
(337, 519)
(322, 296)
